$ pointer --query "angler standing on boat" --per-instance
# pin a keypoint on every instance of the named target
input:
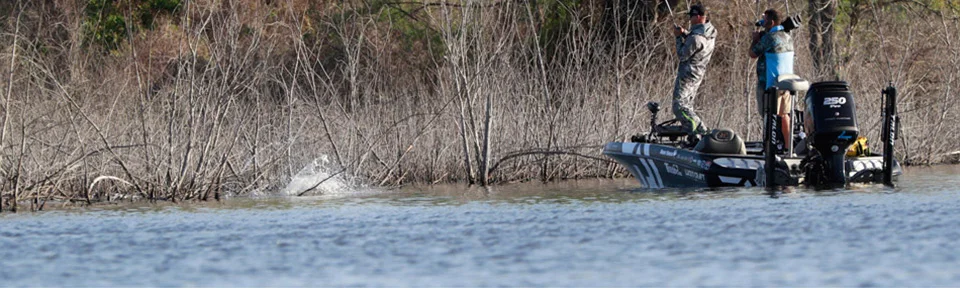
(694, 48)
(773, 49)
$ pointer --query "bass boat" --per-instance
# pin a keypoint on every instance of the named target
(820, 153)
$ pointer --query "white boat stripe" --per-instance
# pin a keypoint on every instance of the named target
(639, 176)
(650, 178)
(656, 172)
(644, 176)
(628, 147)
(731, 180)
(645, 179)
(646, 150)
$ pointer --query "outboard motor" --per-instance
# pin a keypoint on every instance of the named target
(831, 126)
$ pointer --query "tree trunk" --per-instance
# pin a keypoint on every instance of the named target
(823, 39)
(485, 160)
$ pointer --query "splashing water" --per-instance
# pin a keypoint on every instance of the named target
(320, 176)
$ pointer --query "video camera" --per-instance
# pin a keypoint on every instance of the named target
(792, 22)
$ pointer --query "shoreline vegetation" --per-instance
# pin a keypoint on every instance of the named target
(176, 100)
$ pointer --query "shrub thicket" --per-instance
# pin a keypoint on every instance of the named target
(192, 100)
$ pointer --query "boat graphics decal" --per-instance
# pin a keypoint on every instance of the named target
(648, 160)
(643, 150)
(659, 166)
(673, 169)
(651, 179)
(834, 102)
(738, 163)
(693, 175)
(668, 152)
(844, 136)
(656, 172)
(628, 147)
(635, 170)
(611, 146)
(730, 180)
(860, 165)
(737, 181)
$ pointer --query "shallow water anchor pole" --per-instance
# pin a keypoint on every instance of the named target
(769, 125)
(889, 133)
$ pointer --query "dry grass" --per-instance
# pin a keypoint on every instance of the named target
(234, 97)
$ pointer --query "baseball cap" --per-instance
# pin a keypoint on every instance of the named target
(697, 9)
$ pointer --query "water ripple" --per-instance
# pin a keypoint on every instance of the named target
(587, 233)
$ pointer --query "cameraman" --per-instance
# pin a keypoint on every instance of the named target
(773, 49)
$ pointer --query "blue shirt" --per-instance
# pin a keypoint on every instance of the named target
(775, 51)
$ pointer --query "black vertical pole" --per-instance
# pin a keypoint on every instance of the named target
(769, 149)
(889, 136)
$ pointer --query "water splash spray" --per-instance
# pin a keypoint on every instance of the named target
(320, 176)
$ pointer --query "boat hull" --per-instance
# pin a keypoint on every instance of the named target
(665, 166)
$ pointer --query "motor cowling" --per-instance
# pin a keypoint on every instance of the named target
(831, 125)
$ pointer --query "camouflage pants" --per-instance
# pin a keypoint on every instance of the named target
(684, 92)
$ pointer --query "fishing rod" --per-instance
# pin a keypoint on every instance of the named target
(672, 17)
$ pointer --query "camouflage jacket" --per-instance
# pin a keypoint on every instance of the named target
(695, 50)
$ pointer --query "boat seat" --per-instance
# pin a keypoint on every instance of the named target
(790, 82)
(721, 141)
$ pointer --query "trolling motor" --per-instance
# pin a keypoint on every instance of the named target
(831, 126)
(650, 137)
(665, 132)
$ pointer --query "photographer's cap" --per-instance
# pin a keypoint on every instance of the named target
(698, 10)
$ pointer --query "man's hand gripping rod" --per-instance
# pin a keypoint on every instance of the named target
(672, 17)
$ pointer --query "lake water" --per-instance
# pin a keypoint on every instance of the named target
(584, 233)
